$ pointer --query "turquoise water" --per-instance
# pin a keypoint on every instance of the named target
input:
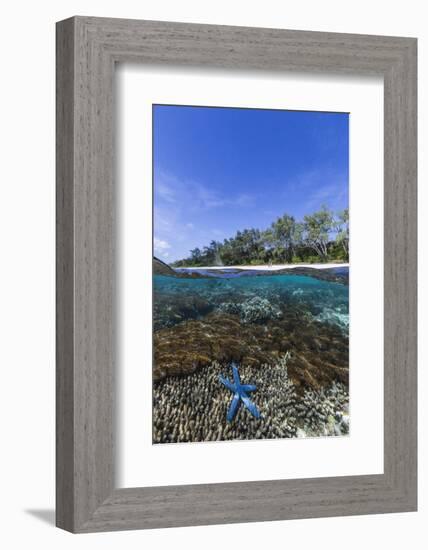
(286, 334)
(244, 293)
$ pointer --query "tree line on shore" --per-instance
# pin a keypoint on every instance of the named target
(322, 236)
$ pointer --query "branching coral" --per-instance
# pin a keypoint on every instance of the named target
(194, 407)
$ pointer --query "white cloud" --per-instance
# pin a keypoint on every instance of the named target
(244, 200)
(165, 191)
(160, 245)
(193, 195)
(313, 188)
(178, 204)
(332, 195)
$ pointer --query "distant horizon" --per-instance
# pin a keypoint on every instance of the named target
(220, 170)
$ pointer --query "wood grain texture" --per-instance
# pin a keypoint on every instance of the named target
(87, 49)
(64, 276)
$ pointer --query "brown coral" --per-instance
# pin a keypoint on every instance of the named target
(319, 352)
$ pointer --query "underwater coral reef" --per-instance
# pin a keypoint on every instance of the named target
(287, 334)
(194, 407)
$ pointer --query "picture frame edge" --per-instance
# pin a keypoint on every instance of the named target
(87, 50)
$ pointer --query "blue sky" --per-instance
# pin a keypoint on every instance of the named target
(219, 170)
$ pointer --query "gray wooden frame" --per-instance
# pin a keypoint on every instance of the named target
(87, 50)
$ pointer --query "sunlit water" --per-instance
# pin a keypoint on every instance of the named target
(286, 333)
(176, 299)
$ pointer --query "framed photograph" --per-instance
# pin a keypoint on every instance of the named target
(236, 274)
(269, 306)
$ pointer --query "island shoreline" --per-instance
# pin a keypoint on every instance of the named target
(276, 267)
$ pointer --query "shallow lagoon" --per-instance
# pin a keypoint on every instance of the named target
(287, 333)
(325, 299)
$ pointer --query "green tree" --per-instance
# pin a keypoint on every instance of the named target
(317, 229)
(341, 226)
(286, 240)
(195, 256)
(211, 254)
(285, 234)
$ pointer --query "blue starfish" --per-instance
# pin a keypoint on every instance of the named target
(240, 394)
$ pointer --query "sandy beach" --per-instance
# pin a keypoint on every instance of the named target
(269, 267)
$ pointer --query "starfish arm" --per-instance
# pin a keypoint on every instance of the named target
(236, 378)
(227, 383)
(248, 387)
(250, 406)
(233, 408)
